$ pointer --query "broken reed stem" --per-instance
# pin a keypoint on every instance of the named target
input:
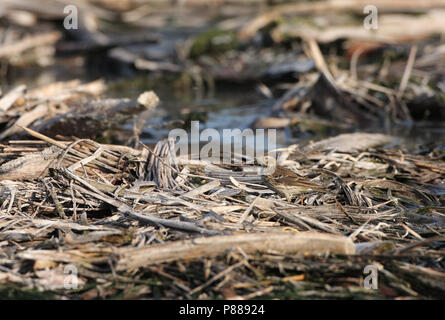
(58, 205)
(284, 242)
(320, 62)
(407, 72)
(174, 169)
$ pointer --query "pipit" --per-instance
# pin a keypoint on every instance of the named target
(289, 184)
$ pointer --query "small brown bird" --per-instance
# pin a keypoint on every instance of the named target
(289, 184)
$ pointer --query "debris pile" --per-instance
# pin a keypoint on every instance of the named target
(140, 223)
(87, 216)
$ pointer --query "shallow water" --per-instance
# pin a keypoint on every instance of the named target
(232, 106)
(224, 106)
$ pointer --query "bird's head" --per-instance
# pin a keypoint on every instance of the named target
(269, 162)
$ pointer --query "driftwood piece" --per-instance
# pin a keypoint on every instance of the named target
(29, 166)
(8, 99)
(34, 107)
(350, 142)
(67, 90)
(25, 120)
(93, 118)
(30, 42)
(286, 243)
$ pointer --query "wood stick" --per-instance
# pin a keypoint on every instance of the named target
(284, 242)
(28, 43)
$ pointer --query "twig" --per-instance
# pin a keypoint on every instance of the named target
(407, 72)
